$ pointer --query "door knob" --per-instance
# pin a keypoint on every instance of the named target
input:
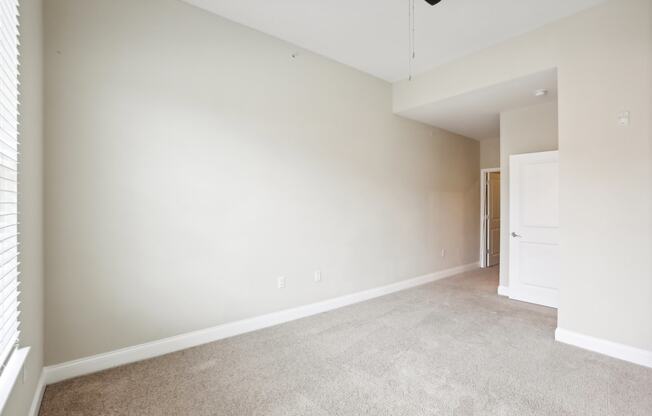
(515, 235)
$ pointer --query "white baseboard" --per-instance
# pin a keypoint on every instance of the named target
(38, 396)
(95, 363)
(503, 290)
(602, 346)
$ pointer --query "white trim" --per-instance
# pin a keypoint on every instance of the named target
(38, 396)
(483, 187)
(503, 290)
(10, 374)
(95, 363)
(602, 346)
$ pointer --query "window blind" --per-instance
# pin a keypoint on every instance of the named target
(8, 179)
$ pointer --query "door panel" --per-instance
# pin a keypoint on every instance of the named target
(534, 228)
(540, 200)
(539, 265)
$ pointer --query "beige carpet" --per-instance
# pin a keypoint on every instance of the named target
(448, 348)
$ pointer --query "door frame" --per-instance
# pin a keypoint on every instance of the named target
(483, 195)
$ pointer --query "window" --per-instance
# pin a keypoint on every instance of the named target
(8, 181)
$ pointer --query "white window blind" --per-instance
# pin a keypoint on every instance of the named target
(8, 179)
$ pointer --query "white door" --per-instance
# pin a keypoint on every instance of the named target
(493, 219)
(534, 228)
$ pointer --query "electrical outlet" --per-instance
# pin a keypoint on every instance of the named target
(443, 252)
(318, 276)
(280, 282)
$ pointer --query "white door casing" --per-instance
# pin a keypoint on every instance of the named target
(484, 220)
(493, 219)
(534, 228)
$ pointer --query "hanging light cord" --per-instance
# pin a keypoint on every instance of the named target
(411, 39)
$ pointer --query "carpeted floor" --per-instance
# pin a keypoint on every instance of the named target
(452, 347)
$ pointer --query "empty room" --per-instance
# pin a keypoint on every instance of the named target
(302, 207)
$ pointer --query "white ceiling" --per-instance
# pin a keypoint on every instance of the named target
(372, 35)
(477, 114)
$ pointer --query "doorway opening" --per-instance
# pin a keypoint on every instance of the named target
(490, 217)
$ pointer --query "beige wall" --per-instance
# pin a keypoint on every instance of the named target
(490, 153)
(31, 205)
(606, 175)
(524, 130)
(191, 161)
(604, 66)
